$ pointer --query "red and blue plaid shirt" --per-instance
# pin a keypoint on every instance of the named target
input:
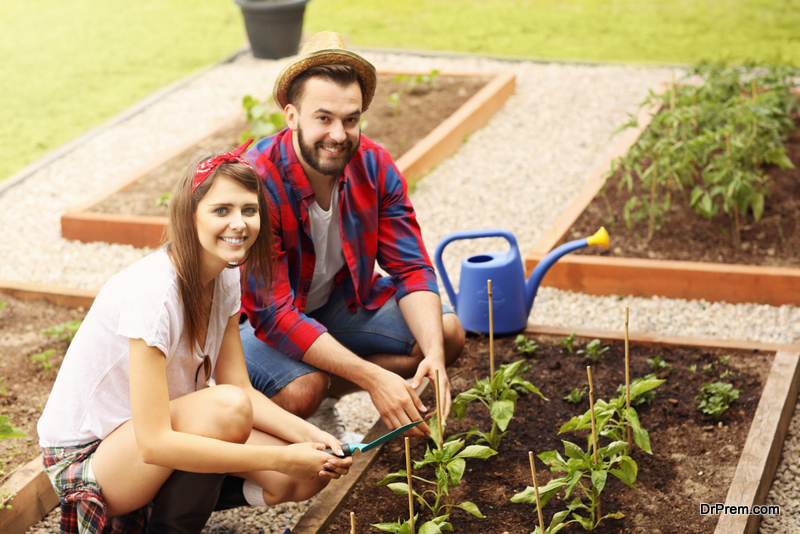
(376, 222)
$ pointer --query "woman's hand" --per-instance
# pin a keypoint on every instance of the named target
(306, 461)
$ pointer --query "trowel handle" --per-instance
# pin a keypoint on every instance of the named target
(467, 234)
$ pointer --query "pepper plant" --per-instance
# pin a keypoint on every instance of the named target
(708, 144)
(716, 398)
(613, 418)
(525, 346)
(584, 477)
(499, 395)
(593, 351)
(449, 464)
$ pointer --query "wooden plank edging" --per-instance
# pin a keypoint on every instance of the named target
(63, 296)
(604, 275)
(783, 388)
(31, 498)
(140, 231)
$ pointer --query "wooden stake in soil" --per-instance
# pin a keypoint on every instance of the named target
(594, 429)
(352, 523)
(536, 492)
(627, 377)
(410, 492)
(651, 223)
(438, 412)
(491, 332)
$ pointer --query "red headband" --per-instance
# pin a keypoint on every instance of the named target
(208, 166)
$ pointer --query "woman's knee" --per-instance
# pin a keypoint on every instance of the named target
(222, 412)
(234, 413)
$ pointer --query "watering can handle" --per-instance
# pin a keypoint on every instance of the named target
(467, 234)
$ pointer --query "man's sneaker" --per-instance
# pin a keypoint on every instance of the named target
(327, 419)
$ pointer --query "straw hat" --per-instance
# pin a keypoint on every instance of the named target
(325, 48)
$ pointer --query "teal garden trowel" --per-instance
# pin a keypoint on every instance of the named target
(349, 448)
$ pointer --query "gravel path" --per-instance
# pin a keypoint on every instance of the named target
(518, 173)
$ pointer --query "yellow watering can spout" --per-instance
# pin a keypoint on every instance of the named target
(600, 238)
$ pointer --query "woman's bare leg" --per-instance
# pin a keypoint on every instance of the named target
(222, 412)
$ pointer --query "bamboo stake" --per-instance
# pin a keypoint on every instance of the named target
(410, 492)
(594, 429)
(627, 377)
(438, 411)
(651, 224)
(536, 492)
(491, 332)
(352, 523)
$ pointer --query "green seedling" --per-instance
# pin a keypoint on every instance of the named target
(394, 103)
(416, 82)
(643, 398)
(723, 360)
(568, 341)
(613, 418)
(43, 358)
(499, 395)
(9, 431)
(403, 526)
(3, 304)
(163, 200)
(449, 465)
(576, 395)
(585, 478)
(692, 368)
(65, 331)
(3, 388)
(716, 398)
(657, 364)
(708, 369)
(263, 118)
(725, 374)
(593, 351)
(525, 346)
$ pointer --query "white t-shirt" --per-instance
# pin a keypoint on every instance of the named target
(327, 249)
(91, 395)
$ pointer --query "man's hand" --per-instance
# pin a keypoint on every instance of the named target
(428, 367)
(398, 403)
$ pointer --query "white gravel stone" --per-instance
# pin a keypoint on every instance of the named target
(517, 173)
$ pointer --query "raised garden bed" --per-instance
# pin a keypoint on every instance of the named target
(758, 272)
(424, 130)
(694, 459)
(25, 388)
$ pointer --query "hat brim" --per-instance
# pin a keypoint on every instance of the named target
(366, 72)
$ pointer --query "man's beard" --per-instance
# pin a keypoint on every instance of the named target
(333, 167)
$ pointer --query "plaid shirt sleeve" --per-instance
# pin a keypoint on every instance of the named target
(401, 252)
(275, 318)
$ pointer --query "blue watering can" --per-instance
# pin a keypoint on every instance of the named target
(512, 296)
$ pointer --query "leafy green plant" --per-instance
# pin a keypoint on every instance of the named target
(657, 364)
(716, 398)
(525, 346)
(9, 431)
(708, 369)
(403, 526)
(723, 360)
(394, 102)
(416, 83)
(499, 395)
(593, 351)
(43, 358)
(568, 341)
(692, 368)
(449, 465)
(613, 417)
(263, 118)
(708, 144)
(64, 331)
(576, 395)
(642, 398)
(3, 304)
(584, 477)
(163, 200)
(3, 388)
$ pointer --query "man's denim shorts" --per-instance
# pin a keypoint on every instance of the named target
(365, 332)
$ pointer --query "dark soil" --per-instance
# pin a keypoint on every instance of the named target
(685, 236)
(24, 384)
(418, 113)
(693, 458)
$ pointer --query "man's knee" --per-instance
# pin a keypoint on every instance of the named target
(303, 395)
(454, 337)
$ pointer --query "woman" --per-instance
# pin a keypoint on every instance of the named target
(131, 403)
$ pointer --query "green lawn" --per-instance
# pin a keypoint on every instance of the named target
(638, 31)
(70, 65)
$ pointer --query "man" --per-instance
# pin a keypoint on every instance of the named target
(332, 324)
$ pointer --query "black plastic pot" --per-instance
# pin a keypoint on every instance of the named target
(273, 26)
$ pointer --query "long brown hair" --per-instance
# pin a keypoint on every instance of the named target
(184, 248)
